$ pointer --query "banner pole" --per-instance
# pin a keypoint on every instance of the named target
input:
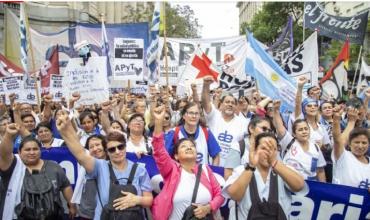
(165, 43)
(357, 65)
(32, 56)
(303, 24)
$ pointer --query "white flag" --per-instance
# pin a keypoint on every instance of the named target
(364, 77)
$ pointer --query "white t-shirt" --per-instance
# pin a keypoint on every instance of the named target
(263, 190)
(184, 193)
(349, 171)
(142, 147)
(228, 134)
(306, 163)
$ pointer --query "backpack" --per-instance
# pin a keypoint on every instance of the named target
(177, 131)
(108, 212)
(38, 198)
(265, 210)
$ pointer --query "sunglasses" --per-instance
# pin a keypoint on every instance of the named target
(112, 150)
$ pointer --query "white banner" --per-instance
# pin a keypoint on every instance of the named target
(128, 59)
(228, 54)
(89, 80)
(11, 85)
(56, 87)
(139, 87)
(304, 61)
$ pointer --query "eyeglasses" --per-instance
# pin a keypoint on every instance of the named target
(112, 150)
(195, 114)
(265, 129)
(138, 121)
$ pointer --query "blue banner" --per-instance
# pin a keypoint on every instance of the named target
(316, 201)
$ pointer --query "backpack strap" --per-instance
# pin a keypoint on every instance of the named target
(253, 191)
(288, 147)
(205, 131)
(197, 180)
(112, 176)
(242, 147)
(274, 188)
(132, 174)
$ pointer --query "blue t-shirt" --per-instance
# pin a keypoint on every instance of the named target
(101, 173)
(212, 144)
(17, 142)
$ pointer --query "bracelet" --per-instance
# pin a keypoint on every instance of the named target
(274, 165)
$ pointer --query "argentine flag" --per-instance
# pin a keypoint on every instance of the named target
(152, 51)
(272, 80)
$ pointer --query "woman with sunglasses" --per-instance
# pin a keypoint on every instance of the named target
(137, 140)
(298, 149)
(190, 126)
(100, 169)
(179, 178)
(84, 194)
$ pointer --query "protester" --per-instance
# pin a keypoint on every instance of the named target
(350, 167)
(297, 149)
(190, 127)
(45, 136)
(110, 172)
(179, 177)
(24, 175)
(137, 140)
(223, 123)
(84, 194)
(4, 121)
(264, 178)
(89, 126)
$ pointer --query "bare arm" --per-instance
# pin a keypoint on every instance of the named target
(206, 101)
(298, 97)
(104, 118)
(67, 194)
(47, 108)
(338, 147)
(321, 174)
(294, 180)
(277, 120)
(6, 146)
(216, 160)
(70, 137)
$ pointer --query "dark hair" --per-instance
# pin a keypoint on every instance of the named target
(177, 105)
(354, 102)
(326, 102)
(28, 115)
(266, 106)
(263, 135)
(85, 114)
(185, 109)
(309, 89)
(96, 136)
(296, 122)
(119, 124)
(226, 95)
(245, 98)
(115, 136)
(179, 142)
(43, 125)
(256, 119)
(357, 132)
(27, 139)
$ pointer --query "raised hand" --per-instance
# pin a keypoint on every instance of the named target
(12, 129)
(337, 113)
(63, 123)
(159, 112)
(75, 96)
(208, 80)
(352, 114)
(276, 105)
(301, 81)
(48, 99)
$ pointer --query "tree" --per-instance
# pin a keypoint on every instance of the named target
(180, 22)
(268, 23)
(139, 13)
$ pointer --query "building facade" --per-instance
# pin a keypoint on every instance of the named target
(247, 10)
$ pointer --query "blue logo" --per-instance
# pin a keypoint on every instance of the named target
(225, 137)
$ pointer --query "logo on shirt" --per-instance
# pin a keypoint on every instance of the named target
(224, 137)
(365, 184)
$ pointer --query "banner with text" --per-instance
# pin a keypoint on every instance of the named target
(12, 84)
(316, 201)
(334, 26)
(89, 80)
(56, 87)
(128, 59)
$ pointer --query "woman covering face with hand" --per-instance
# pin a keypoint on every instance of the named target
(179, 178)
(264, 178)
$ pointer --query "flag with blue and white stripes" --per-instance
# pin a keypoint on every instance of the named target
(105, 48)
(272, 80)
(23, 38)
(152, 52)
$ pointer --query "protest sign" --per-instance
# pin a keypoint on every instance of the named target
(12, 84)
(128, 58)
(56, 87)
(139, 87)
(28, 93)
(89, 80)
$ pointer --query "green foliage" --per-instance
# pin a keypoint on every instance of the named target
(268, 23)
(139, 13)
(181, 23)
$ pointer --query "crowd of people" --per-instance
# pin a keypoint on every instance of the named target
(266, 154)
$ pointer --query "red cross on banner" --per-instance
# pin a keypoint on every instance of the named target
(203, 64)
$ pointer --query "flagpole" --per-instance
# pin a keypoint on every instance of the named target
(32, 56)
(165, 43)
(357, 65)
(303, 23)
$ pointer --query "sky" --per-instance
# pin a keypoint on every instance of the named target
(219, 19)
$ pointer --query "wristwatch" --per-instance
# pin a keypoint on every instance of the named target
(249, 167)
